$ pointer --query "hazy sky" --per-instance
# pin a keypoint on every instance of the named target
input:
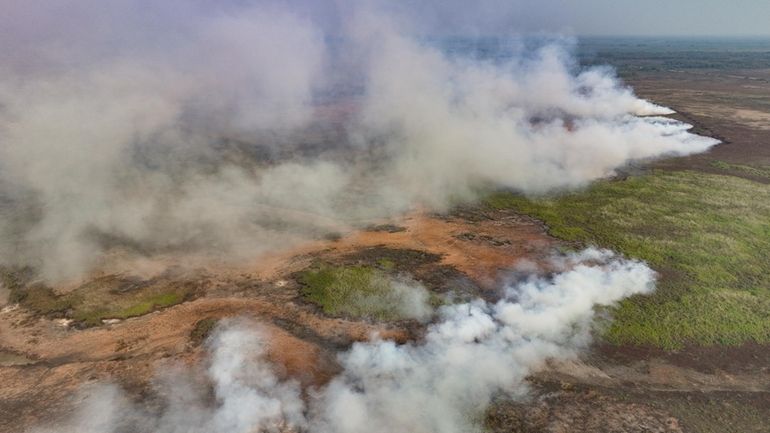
(572, 17)
(601, 17)
(665, 17)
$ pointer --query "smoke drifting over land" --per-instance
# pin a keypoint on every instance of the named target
(140, 128)
(472, 353)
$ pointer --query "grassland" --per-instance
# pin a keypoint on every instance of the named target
(708, 236)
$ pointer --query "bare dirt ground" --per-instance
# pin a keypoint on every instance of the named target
(732, 105)
(43, 362)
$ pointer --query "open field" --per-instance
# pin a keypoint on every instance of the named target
(38, 347)
(722, 87)
(304, 339)
(692, 357)
(708, 236)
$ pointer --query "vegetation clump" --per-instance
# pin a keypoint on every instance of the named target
(362, 292)
(202, 330)
(110, 297)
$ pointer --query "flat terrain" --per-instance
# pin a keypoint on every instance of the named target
(693, 357)
(732, 105)
(708, 235)
(47, 356)
(670, 360)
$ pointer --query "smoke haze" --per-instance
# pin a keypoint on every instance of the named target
(140, 129)
(472, 353)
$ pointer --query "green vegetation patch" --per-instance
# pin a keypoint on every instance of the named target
(110, 297)
(114, 298)
(361, 292)
(708, 236)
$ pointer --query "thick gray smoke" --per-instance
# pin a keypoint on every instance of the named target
(224, 129)
(472, 353)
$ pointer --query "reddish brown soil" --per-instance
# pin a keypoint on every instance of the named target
(301, 342)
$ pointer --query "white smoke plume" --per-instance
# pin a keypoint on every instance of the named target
(475, 351)
(472, 353)
(248, 396)
(225, 129)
